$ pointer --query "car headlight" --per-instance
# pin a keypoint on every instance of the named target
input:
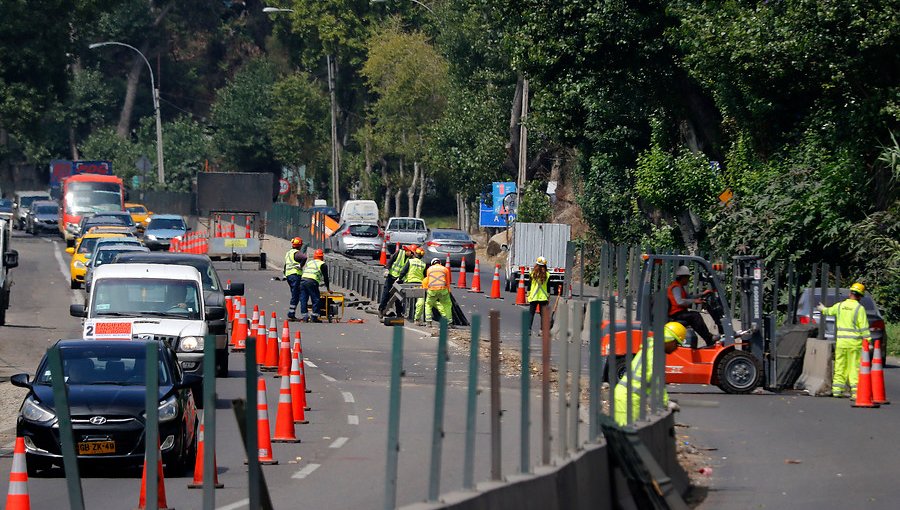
(32, 411)
(168, 409)
(150, 237)
(191, 343)
(79, 265)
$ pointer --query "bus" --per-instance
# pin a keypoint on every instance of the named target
(88, 194)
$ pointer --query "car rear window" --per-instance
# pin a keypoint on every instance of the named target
(47, 209)
(137, 209)
(450, 235)
(406, 224)
(166, 223)
(363, 230)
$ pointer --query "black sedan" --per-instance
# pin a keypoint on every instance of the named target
(106, 391)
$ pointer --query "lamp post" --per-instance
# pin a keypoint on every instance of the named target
(335, 170)
(161, 173)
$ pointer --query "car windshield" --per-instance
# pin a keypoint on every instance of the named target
(166, 224)
(47, 209)
(145, 297)
(119, 365)
(450, 235)
(363, 230)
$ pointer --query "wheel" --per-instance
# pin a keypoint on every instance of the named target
(621, 368)
(74, 284)
(738, 372)
(222, 363)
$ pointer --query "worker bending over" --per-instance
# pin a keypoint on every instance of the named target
(851, 326)
(414, 272)
(315, 273)
(675, 333)
(395, 265)
(437, 291)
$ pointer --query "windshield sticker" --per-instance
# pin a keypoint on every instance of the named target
(102, 306)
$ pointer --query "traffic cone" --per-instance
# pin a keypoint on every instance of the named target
(878, 395)
(382, 260)
(284, 351)
(218, 230)
(270, 363)
(198, 465)
(229, 309)
(17, 498)
(520, 291)
(160, 485)
(239, 333)
(231, 228)
(298, 344)
(495, 284)
(476, 278)
(864, 388)
(247, 226)
(447, 263)
(261, 339)
(461, 283)
(298, 390)
(284, 419)
(264, 444)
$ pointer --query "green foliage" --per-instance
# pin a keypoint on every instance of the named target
(534, 206)
(300, 126)
(676, 182)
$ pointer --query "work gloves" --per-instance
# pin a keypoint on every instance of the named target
(820, 307)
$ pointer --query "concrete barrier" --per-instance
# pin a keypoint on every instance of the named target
(817, 367)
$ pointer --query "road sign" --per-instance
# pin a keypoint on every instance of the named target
(283, 186)
(143, 164)
(502, 213)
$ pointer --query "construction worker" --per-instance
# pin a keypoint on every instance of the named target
(679, 306)
(414, 272)
(674, 333)
(538, 296)
(851, 326)
(437, 291)
(315, 273)
(395, 265)
(294, 260)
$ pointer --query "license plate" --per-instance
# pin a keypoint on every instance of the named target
(453, 249)
(96, 447)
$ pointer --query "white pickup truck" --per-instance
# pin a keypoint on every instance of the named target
(161, 302)
(404, 230)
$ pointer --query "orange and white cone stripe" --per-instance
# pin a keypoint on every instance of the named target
(17, 498)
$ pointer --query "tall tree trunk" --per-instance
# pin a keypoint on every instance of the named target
(421, 193)
(515, 118)
(459, 211)
(385, 211)
(73, 143)
(411, 191)
(366, 177)
(399, 191)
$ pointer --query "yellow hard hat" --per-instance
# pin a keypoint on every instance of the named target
(675, 332)
(541, 261)
(858, 288)
(419, 251)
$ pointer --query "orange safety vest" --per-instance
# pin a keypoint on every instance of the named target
(674, 307)
(436, 278)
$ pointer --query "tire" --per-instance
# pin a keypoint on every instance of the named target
(73, 284)
(738, 372)
(621, 367)
(222, 363)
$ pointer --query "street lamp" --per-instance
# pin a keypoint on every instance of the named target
(161, 173)
(335, 171)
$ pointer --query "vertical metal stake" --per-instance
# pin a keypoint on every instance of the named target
(545, 389)
(496, 443)
(151, 424)
(209, 422)
(437, 431)
(562, 428)
(525, 394)
(67, 439)
(252, 438)
(594, 403)
(393, 439)
(575, 343)
(469, 460)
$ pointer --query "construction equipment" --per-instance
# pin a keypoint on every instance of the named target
(331, 306)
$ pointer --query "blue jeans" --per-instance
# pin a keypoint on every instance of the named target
(309, 289)
(294, 282)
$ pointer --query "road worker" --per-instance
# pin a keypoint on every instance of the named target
(674, 334)
(414, 272)
(851, 326)
(538, 296)
(437, 291)
(679, 306)
(394, 266)
(315, 273)
(294, 260)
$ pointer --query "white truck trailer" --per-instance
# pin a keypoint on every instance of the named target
(528, 241)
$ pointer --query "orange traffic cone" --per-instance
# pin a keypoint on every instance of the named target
(298, 344)
(247, 226)
(461, 283)
(284, 418)
(298, 390)
(284, 351)
(382, 259)
(270, 363)
(476, 278)
(447, 265)
(229, 309)
(239, 331)
(264, 444)
(261, 338)
(864, 388)
(520, 291)
(878, 395)
(231, 228)
(198, 465)
(495, 284)
(160, 485)
(17, 498)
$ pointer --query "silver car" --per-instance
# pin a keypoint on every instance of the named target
(807, 313)
(358, 239)
(105, 253)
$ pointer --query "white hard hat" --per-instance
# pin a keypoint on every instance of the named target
(682, 271)
(435, 261)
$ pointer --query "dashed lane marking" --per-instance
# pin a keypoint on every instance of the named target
(339, 442)
(348, 397)
(328, 378)
(352, 419)
(234, 506)
(306, 471)
(64, 269)
(310, 363)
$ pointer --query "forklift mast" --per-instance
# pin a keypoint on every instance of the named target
(748, 278)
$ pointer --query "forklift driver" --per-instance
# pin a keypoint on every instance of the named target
(679, 306)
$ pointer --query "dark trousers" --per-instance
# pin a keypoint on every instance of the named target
(532, 307)
(695, 321)
(309, 289)
(386, 292)
(294, 282)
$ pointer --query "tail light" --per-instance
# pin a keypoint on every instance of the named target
(804, 319)
(877, 325)
(432, 243)
(346, 233)
(469, 246)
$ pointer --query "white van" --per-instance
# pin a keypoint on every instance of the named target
(365, 211)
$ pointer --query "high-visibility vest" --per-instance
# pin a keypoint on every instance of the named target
(291, 266)
(416, 271)
(538, 290)
(674, 307)
(313, 270)
(637, 368)
(436, 277)
(850, 321)
(399, 262)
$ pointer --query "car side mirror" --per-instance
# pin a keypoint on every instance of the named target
(236, 289)
(11, 259)
(77, 311)
(20, 380)
(70, 250)
(188, 229)
(213, 313)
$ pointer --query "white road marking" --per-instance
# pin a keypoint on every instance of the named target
(348, 397)
(420, 331)
(306, 471)
(64, 269)
(341, 441)
(352, 419)
(310, 363)
(234, 506)
(328, 378)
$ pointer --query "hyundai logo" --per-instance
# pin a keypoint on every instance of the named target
(97, 420)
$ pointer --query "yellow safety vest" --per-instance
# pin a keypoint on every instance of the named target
(291, 266)
(436, 278)
(850, 321)
(538, 290)
(637, 368)
(416, 271)
(399, 262)
(313, 270)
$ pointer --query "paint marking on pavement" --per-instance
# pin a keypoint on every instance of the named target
(341, 441)
(234, 506)
(64, 269)
(306, 471)
(310, 363)
(352, 419)
(348, 397)
(328, 378)
(420, 331)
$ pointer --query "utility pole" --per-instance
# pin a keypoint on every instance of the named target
(335, 173)
(523, 142)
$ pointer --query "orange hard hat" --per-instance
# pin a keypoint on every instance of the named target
(296, 241)
(319, 254)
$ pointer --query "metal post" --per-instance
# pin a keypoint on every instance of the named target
(251, 440)
(160, 172)
(525, 394)
(658, 384)
(812, 291)
(823, 289)
(629, 357)
(209, 422)
(575, 344)
(496, 443)
(612, 364)
(594, 401)
(545, 389)
(562, 427)
(151, 424)
(469, 460)
(67, 439)
(393, 439)
(335, 181)
(437, 430)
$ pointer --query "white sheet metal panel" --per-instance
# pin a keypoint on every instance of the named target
(533, 240)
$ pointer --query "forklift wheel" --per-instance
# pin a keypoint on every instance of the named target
(738, 372)
(621, 368)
